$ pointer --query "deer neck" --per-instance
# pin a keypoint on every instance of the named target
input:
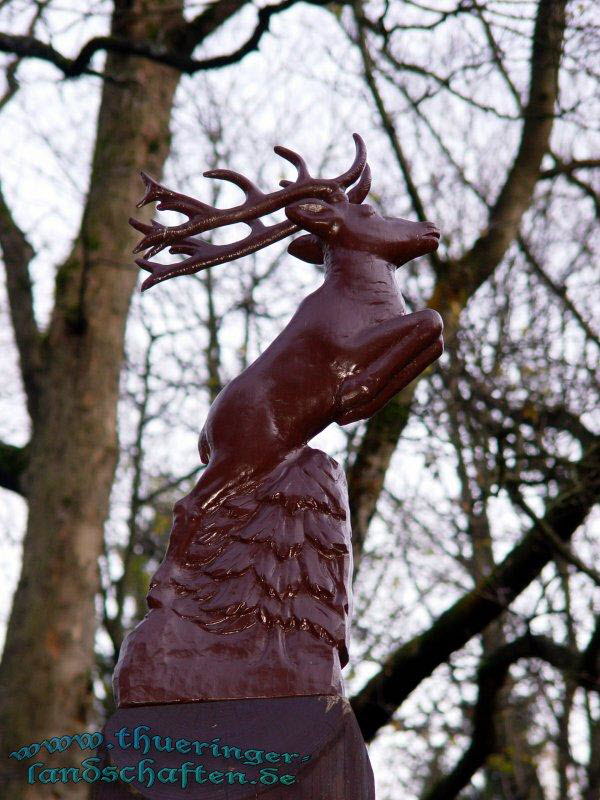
(357, 270)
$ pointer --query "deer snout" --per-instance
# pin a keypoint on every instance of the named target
(429, 238)
(430, 229)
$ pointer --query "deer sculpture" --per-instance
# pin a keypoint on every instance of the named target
(253, 599)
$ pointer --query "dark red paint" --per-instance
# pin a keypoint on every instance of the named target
(253, 597)
(312, 744)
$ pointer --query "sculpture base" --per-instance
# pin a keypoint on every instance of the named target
(167, 659)
(287, 748)
(252, 598)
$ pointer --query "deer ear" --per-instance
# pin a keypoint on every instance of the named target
(308, 248)
(315, 216)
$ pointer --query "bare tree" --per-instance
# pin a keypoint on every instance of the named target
(70, 370)
(481, 574)
(407, 80)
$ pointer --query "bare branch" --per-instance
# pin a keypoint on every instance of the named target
(538, 115)
(390, 128)
(194, 32)
(17, 253)
(586, 189)
(497, 55)
(12, 84)
(559, 291)
(562, 548)
(567, 168)
(13, 463)
(458, 281)
(492, 675)
(404, 669)
(538, 416)
(177, 54)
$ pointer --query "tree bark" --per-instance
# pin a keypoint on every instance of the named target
(73, 449)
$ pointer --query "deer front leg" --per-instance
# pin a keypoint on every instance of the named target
(396, 383)
(364, 393)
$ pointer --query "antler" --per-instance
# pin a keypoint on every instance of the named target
(358, 193)
(203, 217)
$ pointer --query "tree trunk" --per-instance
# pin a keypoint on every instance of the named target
(73, 450)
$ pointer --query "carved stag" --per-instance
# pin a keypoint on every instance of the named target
(260, 548)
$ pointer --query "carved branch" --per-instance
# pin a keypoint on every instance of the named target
(411, 663)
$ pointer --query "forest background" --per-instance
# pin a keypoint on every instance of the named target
(476, 645)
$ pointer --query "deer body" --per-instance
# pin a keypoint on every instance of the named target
(260, 549)
(333, 362)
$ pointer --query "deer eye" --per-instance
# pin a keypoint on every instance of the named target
(315, 208)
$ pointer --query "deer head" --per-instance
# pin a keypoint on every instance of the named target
(337, 222)
(321, 206)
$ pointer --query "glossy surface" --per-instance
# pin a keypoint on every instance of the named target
(253, 597)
